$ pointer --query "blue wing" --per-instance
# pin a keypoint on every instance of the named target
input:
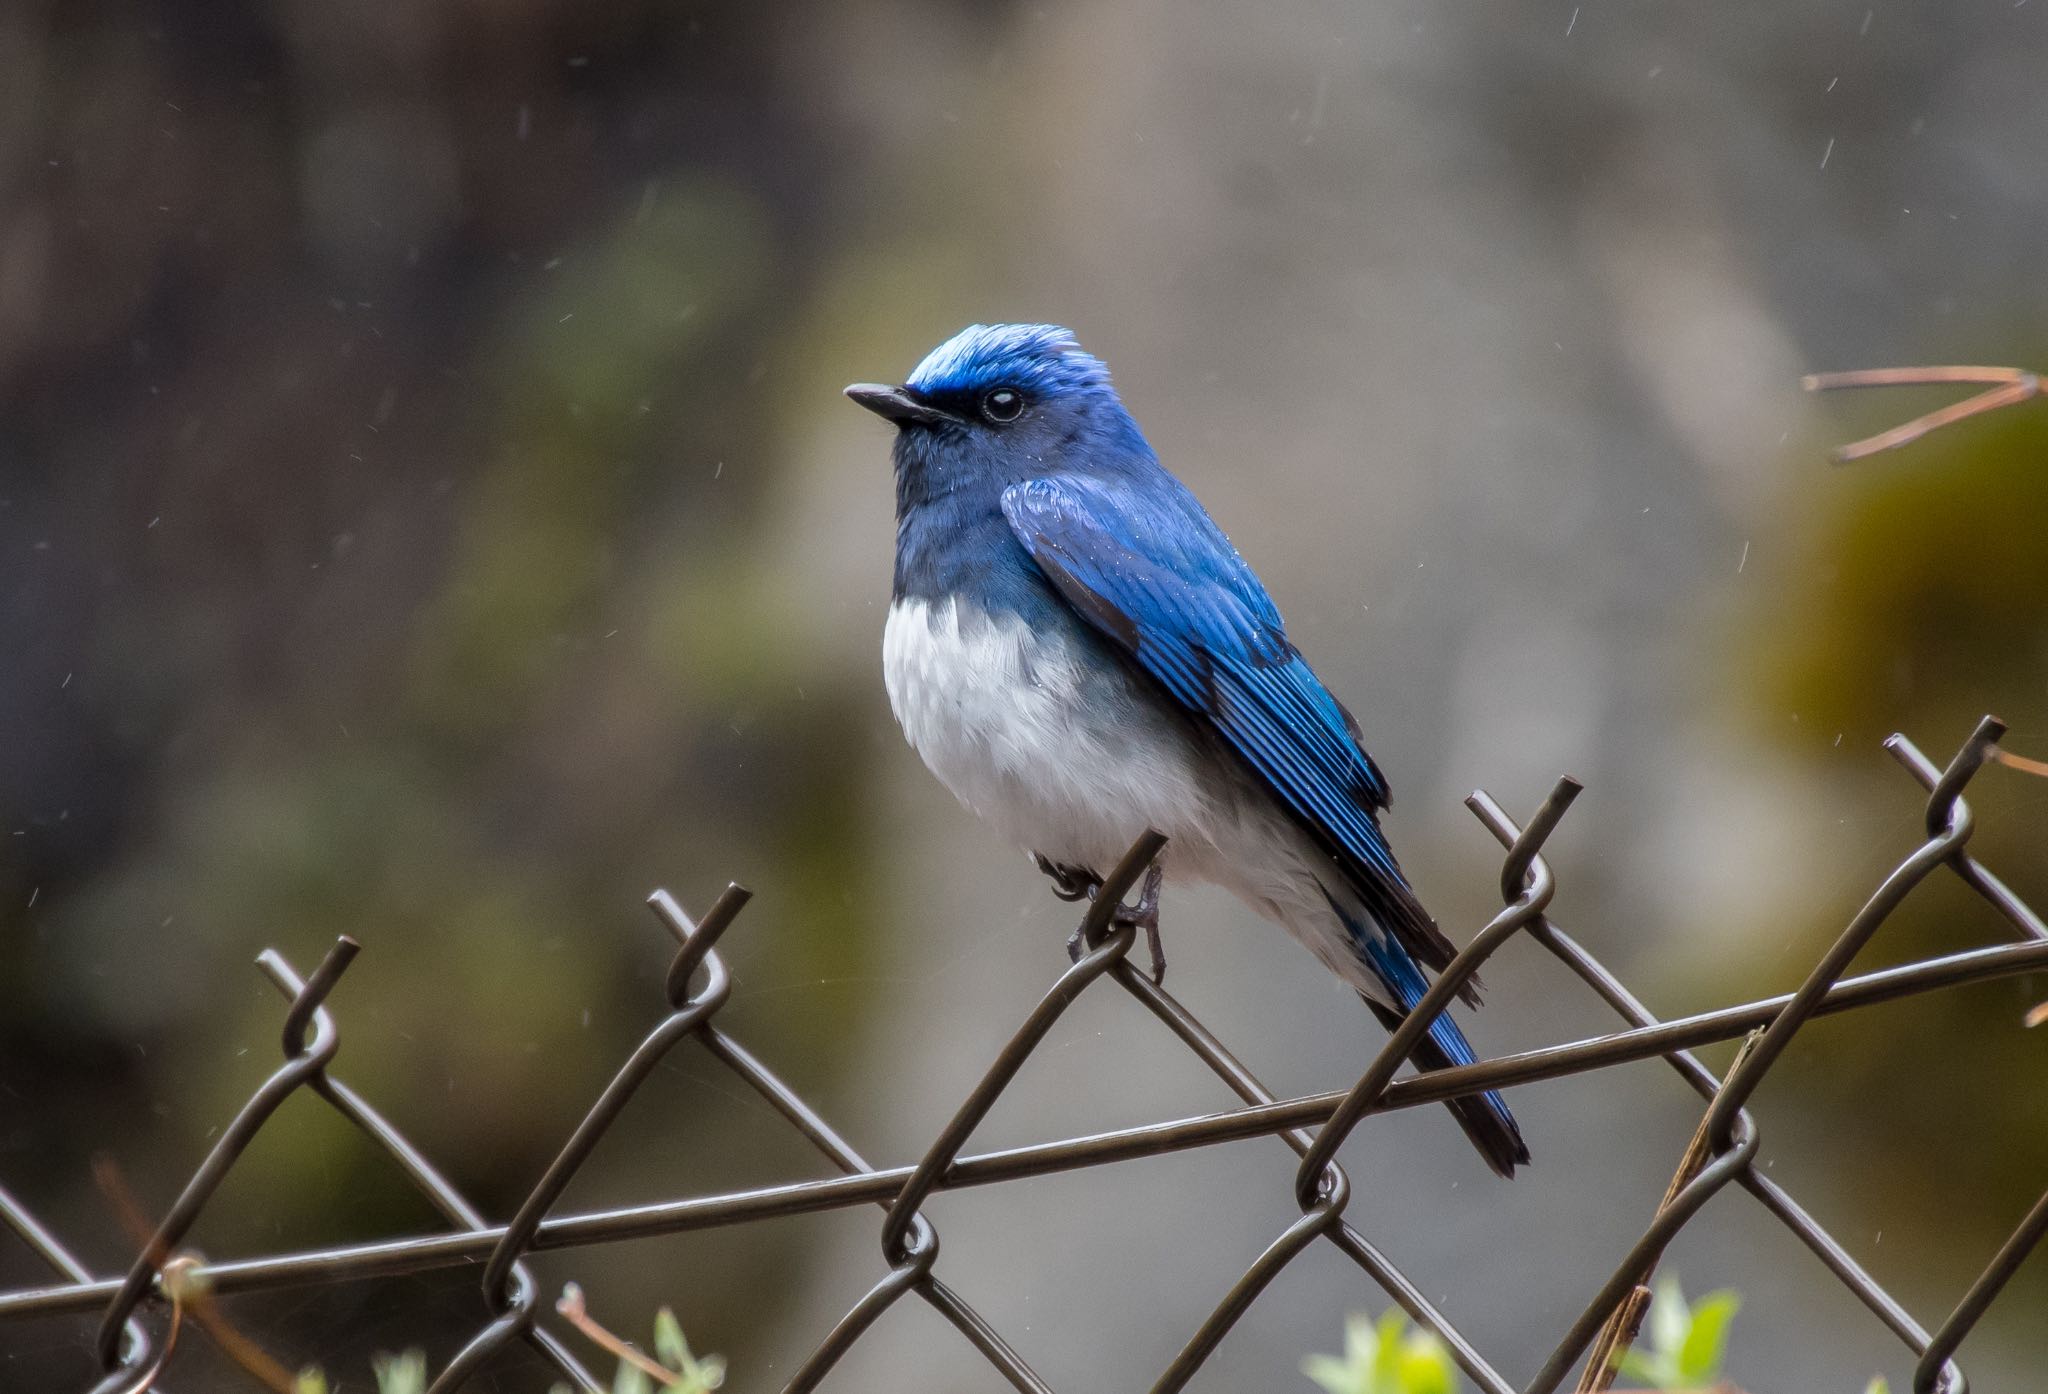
(1150, 571)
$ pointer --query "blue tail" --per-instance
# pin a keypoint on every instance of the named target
(1484, 1117)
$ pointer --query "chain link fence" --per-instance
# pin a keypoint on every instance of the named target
(139, 1311)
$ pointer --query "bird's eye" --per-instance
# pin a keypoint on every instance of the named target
(1002, 404)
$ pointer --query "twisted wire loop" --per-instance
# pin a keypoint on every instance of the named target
(437, 1189)
(909, 1246)
(1732, 1137)
(1995, 892)
(511, 1296)
(303, 1059)
(1320, 1187)
(135, 1361)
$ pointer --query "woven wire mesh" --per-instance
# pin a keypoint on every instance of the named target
(135, 1338)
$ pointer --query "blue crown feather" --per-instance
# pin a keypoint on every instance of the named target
(1041, 358)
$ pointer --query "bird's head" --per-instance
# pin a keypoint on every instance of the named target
(1000, 402)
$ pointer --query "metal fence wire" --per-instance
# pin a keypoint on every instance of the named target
(135, 1336)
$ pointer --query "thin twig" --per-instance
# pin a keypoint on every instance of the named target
(578, 1315)
(177, 1278)
(2008, 386)
(2019, 762)
(1626, 1321)
(189, 1297)
(1615, 1337)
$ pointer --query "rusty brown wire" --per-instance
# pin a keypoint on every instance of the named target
(1314, 1127)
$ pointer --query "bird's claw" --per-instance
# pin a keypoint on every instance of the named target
(1158, 954)
(1068, 882)
(1145, 915)
(1072, 883)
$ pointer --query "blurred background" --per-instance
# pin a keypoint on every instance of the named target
(427, 513)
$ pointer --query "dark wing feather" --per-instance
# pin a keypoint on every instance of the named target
(1155, 576)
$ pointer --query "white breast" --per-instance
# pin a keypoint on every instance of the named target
(1058, 755)
(1068, 758)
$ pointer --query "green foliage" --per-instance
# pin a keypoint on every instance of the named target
(698, 1375)
(1384, 1357)
(405, 1373)
(1878, 1385)
(688, 1373)
(1687, 1341)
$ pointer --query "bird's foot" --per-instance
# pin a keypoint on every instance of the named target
(1145, 915)
(1074, 883)
(1070, 883)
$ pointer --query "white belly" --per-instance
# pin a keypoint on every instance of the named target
(1062, 760)
(1070, 760)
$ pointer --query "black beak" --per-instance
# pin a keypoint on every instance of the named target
(895, 404)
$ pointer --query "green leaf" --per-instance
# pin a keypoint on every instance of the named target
(1361, 1341)
(311, 1380)
(1353, 1372)
(1878, 1385)
(1706, 1341)
(1386, 1362)
(1425, 1366)
(631, 1379)
(1333, 1375)
(1670, 1317)
(1644, 1367)
(1385, 1357)
(669, 1346)
(404, 1373)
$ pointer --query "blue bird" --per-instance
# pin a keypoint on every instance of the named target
(1077, 651)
